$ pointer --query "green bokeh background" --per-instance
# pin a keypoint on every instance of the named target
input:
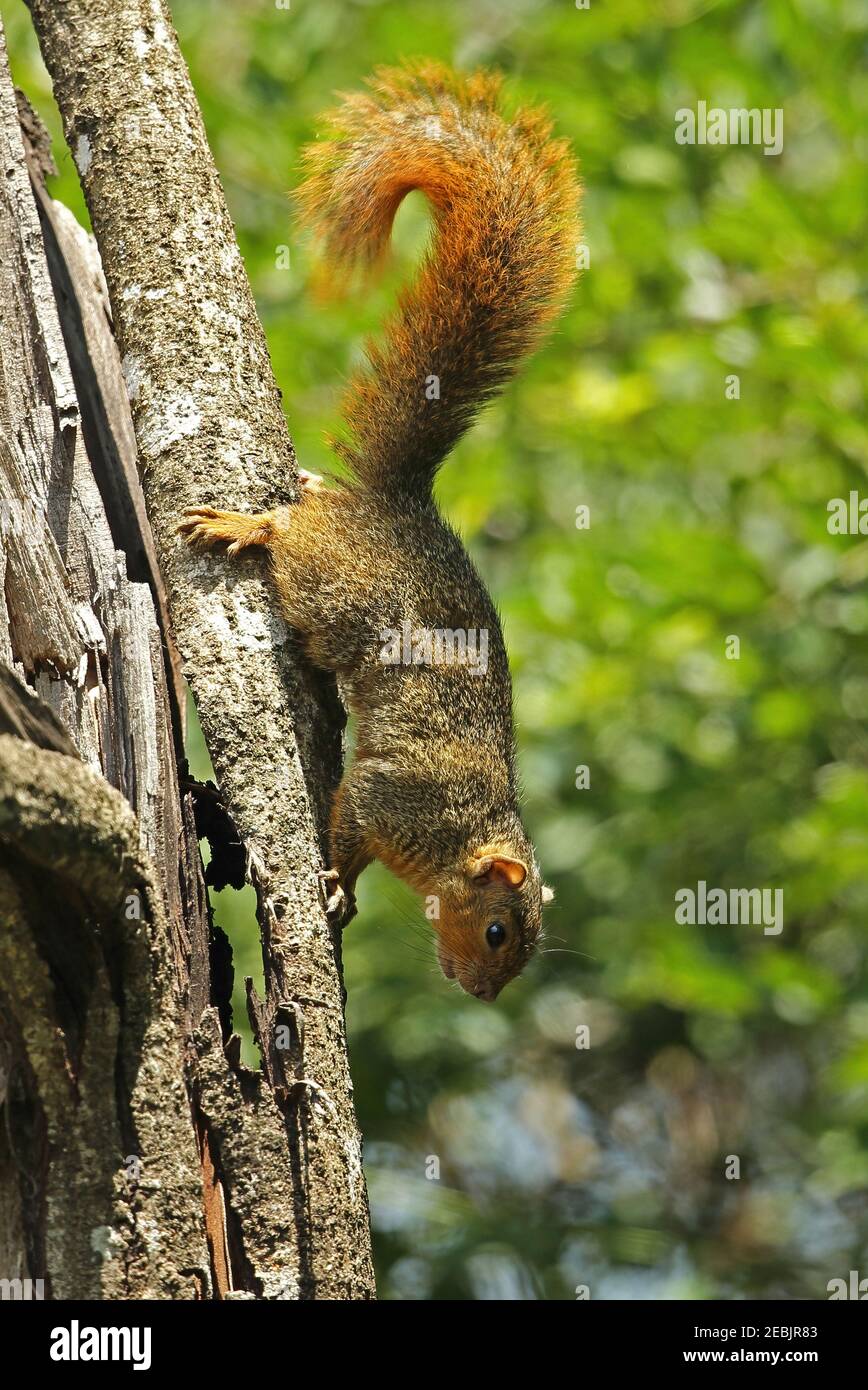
(606, 1166)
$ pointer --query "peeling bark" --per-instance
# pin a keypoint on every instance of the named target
(113, 1029)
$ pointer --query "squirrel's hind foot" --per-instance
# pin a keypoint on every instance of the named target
(340, 903)
(309, 482)
(206, 526)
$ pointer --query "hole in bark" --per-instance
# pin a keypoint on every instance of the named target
(235, 914)
(234, 908)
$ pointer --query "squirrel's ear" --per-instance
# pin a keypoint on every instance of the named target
(548, 894)
(491, 866)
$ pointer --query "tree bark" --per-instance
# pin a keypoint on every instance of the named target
(204, 1178)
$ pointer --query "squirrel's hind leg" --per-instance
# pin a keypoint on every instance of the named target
(206, 526)
(349, 855)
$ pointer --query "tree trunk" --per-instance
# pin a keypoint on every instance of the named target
(139, 1157)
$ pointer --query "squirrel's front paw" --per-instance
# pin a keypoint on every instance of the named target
(198, 526)
(205, 526)
(339, 904)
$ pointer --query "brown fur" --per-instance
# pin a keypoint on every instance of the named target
(432, 788)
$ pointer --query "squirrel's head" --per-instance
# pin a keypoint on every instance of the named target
(490, 918)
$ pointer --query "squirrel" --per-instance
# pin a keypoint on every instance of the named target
(367, 571)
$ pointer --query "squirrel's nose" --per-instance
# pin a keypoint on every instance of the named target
(485, 992)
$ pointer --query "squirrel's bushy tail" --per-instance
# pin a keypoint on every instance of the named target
(501, 261)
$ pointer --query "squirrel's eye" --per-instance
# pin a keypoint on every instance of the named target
(495, 935)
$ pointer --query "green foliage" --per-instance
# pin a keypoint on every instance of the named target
(560, 1166)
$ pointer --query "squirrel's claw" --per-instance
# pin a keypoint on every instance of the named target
(340, 904)
(197, 525)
